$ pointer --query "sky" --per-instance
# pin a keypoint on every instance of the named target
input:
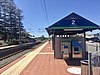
(35, 19)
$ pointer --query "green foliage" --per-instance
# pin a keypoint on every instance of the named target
(11, 25)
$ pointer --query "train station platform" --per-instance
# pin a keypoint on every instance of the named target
(38, 62)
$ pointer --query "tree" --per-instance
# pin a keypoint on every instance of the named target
(11, 26)
(10, 20)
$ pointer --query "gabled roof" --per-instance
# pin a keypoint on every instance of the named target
(72, 22)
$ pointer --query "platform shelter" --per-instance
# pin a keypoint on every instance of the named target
(63, 33)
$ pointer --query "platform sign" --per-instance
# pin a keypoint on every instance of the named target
(65, 46)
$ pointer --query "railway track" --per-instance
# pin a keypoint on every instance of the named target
(15, 54)
(7, 56)
(6, 53)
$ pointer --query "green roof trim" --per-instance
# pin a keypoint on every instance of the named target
(74, 27)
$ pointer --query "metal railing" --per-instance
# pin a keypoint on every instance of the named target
(95, 59)
(91, 48)
(94, 50)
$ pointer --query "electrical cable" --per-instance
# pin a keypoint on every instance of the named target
(45, 9)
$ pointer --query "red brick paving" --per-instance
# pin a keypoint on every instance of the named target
(47, 49)
(45, 64)
(96, 70)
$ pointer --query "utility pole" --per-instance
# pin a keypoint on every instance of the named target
(19, 31)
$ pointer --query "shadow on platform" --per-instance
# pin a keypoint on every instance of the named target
(73, 62)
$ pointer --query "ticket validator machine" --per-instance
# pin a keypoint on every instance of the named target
(65, 46)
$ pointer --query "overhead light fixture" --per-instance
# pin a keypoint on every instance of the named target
(73, 29)
(73, 18)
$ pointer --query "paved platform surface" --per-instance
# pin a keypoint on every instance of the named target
(38, 62)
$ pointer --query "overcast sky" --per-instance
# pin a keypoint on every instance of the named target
(35, 20)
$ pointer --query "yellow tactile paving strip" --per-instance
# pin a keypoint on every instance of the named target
(18, 67)
(46, 53)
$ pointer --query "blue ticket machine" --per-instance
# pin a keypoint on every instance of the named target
(76, 46)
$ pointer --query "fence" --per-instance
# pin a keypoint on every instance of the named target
(95, 58)
(94, 49)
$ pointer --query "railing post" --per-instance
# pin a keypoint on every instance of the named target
(90, 65)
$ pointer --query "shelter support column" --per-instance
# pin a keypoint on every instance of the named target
(71, 51)
(53, 42)
(84, 54)
(57, 48)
